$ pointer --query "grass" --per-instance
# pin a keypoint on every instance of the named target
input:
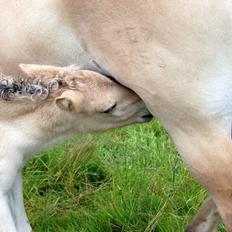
(125, 180)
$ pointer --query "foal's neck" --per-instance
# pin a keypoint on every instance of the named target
(32, 128)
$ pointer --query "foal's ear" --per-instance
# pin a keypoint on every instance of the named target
(70, 101)
(34, 70)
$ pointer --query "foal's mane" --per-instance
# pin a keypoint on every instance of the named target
(12, 88)
(42, 87)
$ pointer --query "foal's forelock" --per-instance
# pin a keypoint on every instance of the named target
(11, 88)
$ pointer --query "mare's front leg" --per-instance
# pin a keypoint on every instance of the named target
(15, 197)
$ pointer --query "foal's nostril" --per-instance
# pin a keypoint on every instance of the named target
(147, 117)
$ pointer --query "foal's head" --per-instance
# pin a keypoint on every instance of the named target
(87, 100)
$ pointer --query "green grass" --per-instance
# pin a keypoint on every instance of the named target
(125, 180)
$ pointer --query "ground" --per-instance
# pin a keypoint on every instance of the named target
(126, 180)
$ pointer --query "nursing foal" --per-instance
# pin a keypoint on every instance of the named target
(47, 105)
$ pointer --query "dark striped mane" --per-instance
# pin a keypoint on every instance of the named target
(12, 88)
(40, 88)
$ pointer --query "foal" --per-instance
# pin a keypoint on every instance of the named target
(48, 105)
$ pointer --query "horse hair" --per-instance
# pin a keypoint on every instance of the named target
(34, 89)
(11, 88)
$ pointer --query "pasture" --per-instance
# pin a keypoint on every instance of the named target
(125, 180)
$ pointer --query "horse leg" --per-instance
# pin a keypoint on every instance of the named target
(223, 201)
(208, 157)
(15, 196)
(8, 173)
(207, 218)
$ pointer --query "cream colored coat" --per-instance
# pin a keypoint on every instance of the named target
(176, 55)
(61, 101)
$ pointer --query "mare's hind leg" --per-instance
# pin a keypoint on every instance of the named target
(223, 201)
(207, 218)
(208, 155)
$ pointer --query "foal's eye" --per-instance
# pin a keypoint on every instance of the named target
(109, 110)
